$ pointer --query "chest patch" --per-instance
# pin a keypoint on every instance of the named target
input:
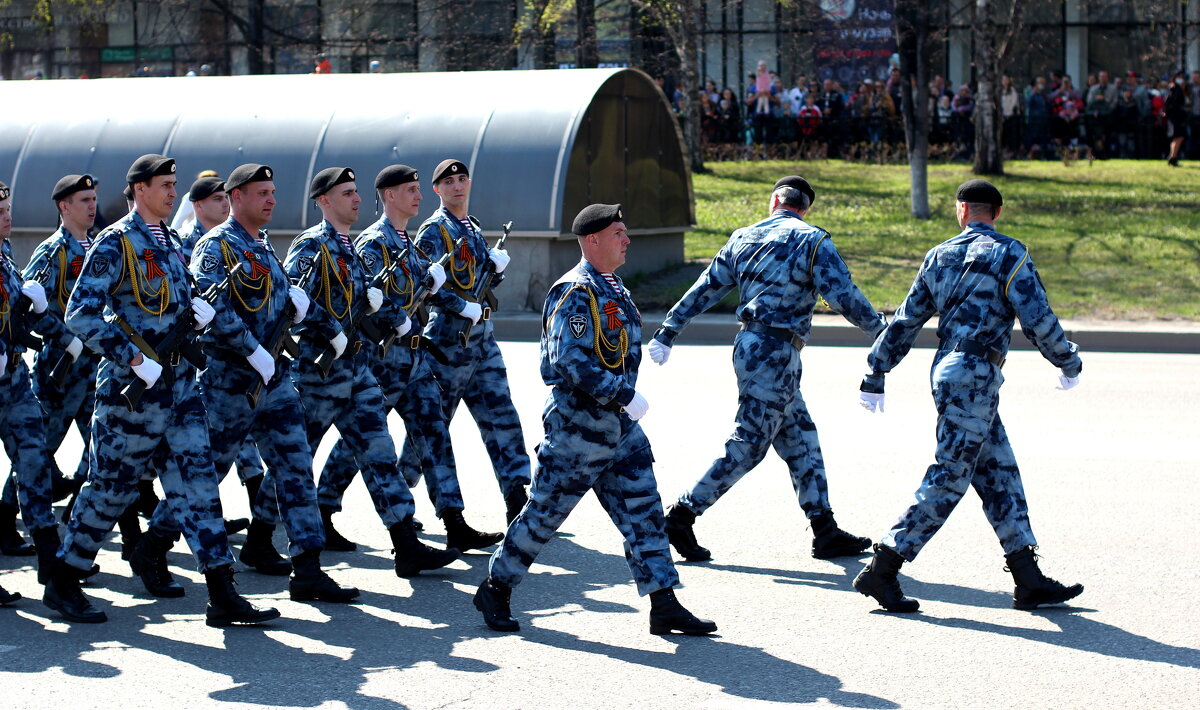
(578, 325)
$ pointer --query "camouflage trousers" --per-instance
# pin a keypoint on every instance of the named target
(477, 377)
(771, 413)
(23, 433)
(590, 448)
(408, 388)
(277, 427)
(167, 435)
(350, 399)
(972, 452)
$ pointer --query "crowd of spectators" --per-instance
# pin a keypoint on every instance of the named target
(1109, 117)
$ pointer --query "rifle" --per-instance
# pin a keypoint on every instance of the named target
(418, 301)
(358, 319)
(178, 340)
(21, 330)
(482, 292)
(280, 340)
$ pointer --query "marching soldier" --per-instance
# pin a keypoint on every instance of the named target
(403, 370)
(977, 282)
(780, 267)
(333, 375)
(133, 292)
(475, 372)
(591, 347)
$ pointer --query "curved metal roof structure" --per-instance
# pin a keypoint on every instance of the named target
(540, 145)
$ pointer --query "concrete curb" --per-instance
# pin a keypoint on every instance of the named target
(829, 330)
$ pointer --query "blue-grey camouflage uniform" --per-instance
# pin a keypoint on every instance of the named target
(977, 282)
(127, 274)
(590, 354)
(475, 374)
(257, 297)
(780, 267)
(349, 398)
(403, 375)
(21, 426)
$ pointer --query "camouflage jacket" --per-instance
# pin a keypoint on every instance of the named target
(435, 237)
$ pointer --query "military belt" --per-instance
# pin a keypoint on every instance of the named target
(588, 400)
(783, 334)
(978, 349)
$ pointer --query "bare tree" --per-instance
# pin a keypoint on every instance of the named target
(992, 50)
(913, 34)
(680, 19)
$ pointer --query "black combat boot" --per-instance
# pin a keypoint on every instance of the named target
(63, 487)
(64, 596)
(667, 615)
(226, 607)
(412, 555)
(1033, 588)
(309, 583)
(147, 499)
(830, 541)
(47, 542)
(513, 503)
(878, 579)
(149, 562)
(7, 597)
(11, 542)
(259, 552)
(464, 537)
(492, 600)
(131, 531)
(333, 539)
(679, 531)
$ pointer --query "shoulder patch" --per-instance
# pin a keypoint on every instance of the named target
(578, 324)
(305, 262)
(210, 262)
(368, 258)
(100, 265)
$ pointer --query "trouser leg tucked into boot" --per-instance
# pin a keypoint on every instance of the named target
(412, 555)
(513, 503)
(492, 600)
(1033, 588)
(333, 539)
(147, 499)
(461, 536)
(259, 552)
(681, 535)
(226, 607)
(131, 531)
(309, 583)
(830, 541)
(11, 542)
(667, 615)
(149, 562)
(64, 596)
(47, 541)
(879, 580)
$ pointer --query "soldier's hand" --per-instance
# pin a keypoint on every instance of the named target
(36, 294)
(658, 352)
(148, 371)
(338, 342)
(299, 301)
(403, 328)
(374, 298)
(472, 312)
(75, 347)
(1066, 383)
(202, 312)
(438, 274)
(263, 363)
(871, 401)
(500, 258)
(637, 407)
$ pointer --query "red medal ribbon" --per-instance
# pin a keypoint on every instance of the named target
(404, 268)
(153, 270)
(464, 254)
(257, 270)
(3, 288)
(76, 265)
(611, 310)
(343, 270)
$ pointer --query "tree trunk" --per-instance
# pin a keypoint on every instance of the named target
(989, 159)
(681, 21)
(587, 51)
(912, 31)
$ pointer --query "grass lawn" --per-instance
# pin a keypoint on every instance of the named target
(1115, 239)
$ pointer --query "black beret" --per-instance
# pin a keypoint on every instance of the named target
(205, 187)
(246, 173)
(449, 167)
(4, 191)
(595, 218)
(980, 191)
(70, 184)
(325, 180)
(394, 175)
(799, 183)
(148, 166)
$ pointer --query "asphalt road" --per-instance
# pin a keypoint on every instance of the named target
(1110, 468)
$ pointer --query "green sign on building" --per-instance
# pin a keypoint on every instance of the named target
(125, 55)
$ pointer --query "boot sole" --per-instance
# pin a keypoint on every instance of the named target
(99, 618)
(307, 596)
(463, 546)
(1068, 595)
(668, 630)
(223, 622)
(890, 610)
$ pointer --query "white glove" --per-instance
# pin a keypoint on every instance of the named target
(263, 363)
(374, 298)
(75, 347)
(34, 292)
(149, 371)
(300, 301)
(659, 352)
(637, 408)
(871, 401)
(202, 311)
(500, 258)
(3, 364)
(1066, 383)
(339, 343)
(403, 328)
(472, 312)
(438, 274)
